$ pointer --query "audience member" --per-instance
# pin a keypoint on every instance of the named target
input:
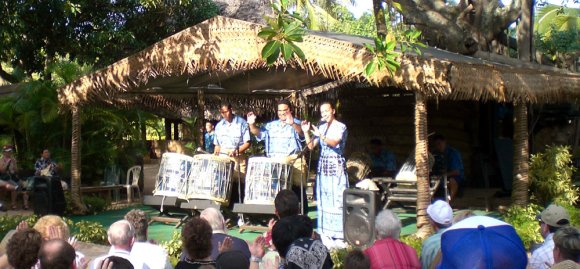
(551, 220)
(54, 227)
(232, 259)
(306, 253)
(482, 242)
(567, 248)
(440, 218)
(286, 204)
(196, 239)
(384, 162)
(22, 249)
(356, 259)
(388, 230)
(153, 255)
(219, 233)
(57, 254)
(288, 229)
(121, 236)
(115, 262)
(462, 214)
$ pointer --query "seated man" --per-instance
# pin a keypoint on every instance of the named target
(45, 166)
(388, 251)
(384, 161)
(567, 248)
(219, 233)
(8, 172)
(57, 254)
(451, 164)
(121, 236)
(22, 249)
(440, 218)
(153, 255)
(552, 219)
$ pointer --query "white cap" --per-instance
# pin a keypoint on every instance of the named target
(440, 212)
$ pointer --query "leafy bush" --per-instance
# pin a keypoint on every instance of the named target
(414, 242)
(95, 204)
(551, 176)
(524, 221)
(173, 247)
(337, 255)
(8, 223)
(90, 232)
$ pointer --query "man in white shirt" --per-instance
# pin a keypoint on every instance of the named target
(121, 235)
(551, 220)
(153, 255)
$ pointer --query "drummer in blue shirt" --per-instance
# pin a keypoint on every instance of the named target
(283, 139)
(232, 139)
(453, 164)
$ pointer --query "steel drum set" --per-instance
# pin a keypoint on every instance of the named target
(209, 177)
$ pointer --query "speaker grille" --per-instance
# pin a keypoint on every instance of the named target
(358, 230)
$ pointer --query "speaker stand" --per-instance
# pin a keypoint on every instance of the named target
(168, 207)
(253, 209)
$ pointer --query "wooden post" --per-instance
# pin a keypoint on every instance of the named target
(167, 128)
(200, 118)
(422, 165)
(75, 186)
(175, 130)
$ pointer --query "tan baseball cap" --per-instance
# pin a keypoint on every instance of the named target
(555, 216)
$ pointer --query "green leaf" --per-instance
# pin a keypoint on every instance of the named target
(397, 6)
(297, 50)
(287, 51)
(391, 46)
(274, 56)
(295, 38)
(267, 33)
(271, 47)
(370, 47)
(370, 68)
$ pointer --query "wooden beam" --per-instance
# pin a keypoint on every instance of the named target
(200, 117)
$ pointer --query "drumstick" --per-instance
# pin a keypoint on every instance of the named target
(200, 150)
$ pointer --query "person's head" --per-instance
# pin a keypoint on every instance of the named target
(375, 146)
(44, 223)
(45, 154)
(209, 126)
(7, 150)
(284, 107)
(327, 111)
(567, 244)
(439, 143)
(232, 260)
(440, 214)
(288, 229)
(140, 221)
(22, 249)
(356, 259)
(462, 214)
(387, 225)
(226, 111)
(553, 218)
(121, 235)
(286, 204)
(196, 238)
(118, 263)
(57, 254)
(215, 219)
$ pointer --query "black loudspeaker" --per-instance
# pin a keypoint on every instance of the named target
(48, 196)
(359, 209)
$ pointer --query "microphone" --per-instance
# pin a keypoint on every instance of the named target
(200, 150)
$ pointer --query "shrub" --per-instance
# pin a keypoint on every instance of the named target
(551, 176)
(90, 232)
(95, 204)
(337, 255)
(414, 242)
(173, 247)
(8, 223)
(524, 221)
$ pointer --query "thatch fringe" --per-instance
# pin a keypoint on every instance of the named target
(226, 45)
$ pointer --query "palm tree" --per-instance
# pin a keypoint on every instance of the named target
(553, 17)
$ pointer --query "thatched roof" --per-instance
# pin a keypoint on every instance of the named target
(222, 56)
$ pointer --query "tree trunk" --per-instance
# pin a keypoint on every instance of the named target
(200, 116)
(521, 151)
(75, 186)
(422, 166)
(380, 20)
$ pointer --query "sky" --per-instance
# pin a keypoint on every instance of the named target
(362, 6)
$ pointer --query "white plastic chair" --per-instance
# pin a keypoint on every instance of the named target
(133, 176)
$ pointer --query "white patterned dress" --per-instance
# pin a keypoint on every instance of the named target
(331, 181)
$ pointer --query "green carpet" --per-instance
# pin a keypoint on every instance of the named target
(161, 232)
